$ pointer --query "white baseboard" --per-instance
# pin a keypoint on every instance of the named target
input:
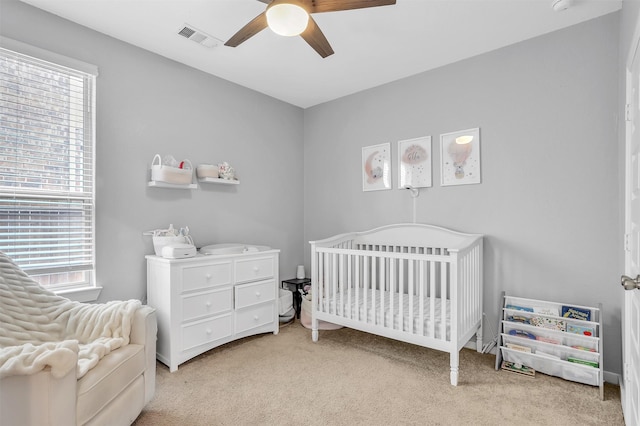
(613, 378)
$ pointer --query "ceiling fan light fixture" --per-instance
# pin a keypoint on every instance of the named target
(287, 19)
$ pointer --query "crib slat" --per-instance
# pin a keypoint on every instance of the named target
(341, 283)
(365, 288)
(422, 281)
(334, 282)
(349, 286)
(401, 266)
(392, 291)
(411, 290)
(381, 288)
(432, 299)
(462, 291)
(358, 284)
(327, 284)
(374, 277)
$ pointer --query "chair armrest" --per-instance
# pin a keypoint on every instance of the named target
(38, 399)
(144, 330)
(143, 324)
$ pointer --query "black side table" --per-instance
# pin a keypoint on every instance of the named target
(296, 284)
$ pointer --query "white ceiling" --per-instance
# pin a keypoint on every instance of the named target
(372, 46)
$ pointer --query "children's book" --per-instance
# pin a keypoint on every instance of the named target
(580, 329)
(518, 368)
(519, 318)
(583, 348)
(583, 362)
(576, 313)
(522, 333)
(520, 348)
(520, 308)
(548, 340)
(550, 323)
(546, 311)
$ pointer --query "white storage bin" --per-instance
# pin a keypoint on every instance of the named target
(168, 174)
(305, 317)
(159, 242)
(207, 171)
(285, 303)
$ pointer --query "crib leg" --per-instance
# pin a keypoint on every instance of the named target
(454, 360)
(314, 329)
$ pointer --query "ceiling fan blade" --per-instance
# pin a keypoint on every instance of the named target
(313, 35)
(256, 25)
(318, 6)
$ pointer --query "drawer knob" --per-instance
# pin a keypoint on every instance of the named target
(258, 294)
(208, 276)
(208, 304)
(256, 269)
(208, 331)
(255, 318)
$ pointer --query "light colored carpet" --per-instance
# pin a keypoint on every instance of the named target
(351, 378)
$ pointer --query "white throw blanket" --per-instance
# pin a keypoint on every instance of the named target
(39, 329)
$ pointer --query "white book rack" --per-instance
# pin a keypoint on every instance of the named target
(543, 336)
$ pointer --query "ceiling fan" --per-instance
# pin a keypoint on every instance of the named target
(292, 17)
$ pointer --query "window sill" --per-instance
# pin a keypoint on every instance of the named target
(81, 294)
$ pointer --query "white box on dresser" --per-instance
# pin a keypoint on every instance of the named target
(209, 300)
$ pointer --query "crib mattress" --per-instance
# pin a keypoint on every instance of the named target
(361, 308)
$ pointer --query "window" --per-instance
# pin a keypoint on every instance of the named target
(47, 168)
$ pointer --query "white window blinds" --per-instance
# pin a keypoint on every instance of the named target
(47, 168)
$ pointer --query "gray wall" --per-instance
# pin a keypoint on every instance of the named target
(549, 200)
(147, 104)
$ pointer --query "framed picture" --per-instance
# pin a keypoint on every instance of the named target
(376, 167)
(414, 163)
(460, 157)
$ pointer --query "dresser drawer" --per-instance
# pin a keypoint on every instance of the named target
(206, 331)
(252, 294)
(254, 269)
(249, 318)
(210, 303)
(198, 277)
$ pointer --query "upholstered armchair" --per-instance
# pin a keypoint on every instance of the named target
(69, 363)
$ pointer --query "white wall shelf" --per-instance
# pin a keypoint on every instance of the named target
(536, 334)
(157, 184)
(218, 180)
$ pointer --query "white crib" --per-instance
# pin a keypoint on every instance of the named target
(417, 283)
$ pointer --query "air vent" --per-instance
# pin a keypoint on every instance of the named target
(200, 37)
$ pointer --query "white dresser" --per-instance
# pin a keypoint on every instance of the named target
(207, 301)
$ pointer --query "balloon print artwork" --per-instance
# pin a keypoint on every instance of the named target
(459, 154)
(460, 157)
(375, 167)
(414, 157)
